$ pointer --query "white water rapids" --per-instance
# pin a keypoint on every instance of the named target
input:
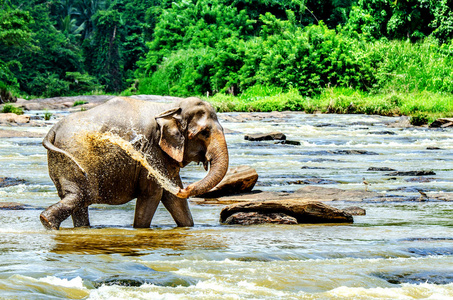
(401, 249)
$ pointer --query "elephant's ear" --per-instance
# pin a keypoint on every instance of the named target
(171, 133)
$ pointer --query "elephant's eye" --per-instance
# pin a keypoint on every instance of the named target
(205, 133)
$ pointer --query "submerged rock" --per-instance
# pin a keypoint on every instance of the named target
(265, 136)
(253, 218)
(8, 181)
(12, 206)
(384, 169)
(237, 180)
(305, 212)
(411, 173)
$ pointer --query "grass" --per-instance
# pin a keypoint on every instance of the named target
(9, 108)
(422, 107)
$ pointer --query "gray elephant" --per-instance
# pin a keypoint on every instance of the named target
(88, 167)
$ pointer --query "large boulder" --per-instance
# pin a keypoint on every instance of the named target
(442, 123)
(305, 212)
(237, 180)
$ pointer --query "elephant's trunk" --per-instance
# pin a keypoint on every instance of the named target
(217, 155)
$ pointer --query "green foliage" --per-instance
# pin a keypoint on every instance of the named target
(79, 102)
(9, 108)
(82, 83)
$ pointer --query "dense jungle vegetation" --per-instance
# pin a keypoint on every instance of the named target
(357, 56)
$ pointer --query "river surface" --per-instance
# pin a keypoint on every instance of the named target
(400, 249)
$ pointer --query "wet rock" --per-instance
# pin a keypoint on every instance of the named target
(11, 118)
(287, 142)
(352, 152)
(265, 136)
(403, 122)
(433, 148)
(237, 180)
(420, 179)
(313, 181)
(412, 173)
(253, 218)
(384, 132)
(7, 181)
(414, 277)
(384, 169)
(442, 123)
(306, 193)
(311, 168)
(12, 206)
(305, 212)
(355, 211)
(5, 133)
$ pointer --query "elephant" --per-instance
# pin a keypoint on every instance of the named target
(88, 169)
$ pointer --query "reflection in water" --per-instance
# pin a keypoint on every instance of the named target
(130, 242)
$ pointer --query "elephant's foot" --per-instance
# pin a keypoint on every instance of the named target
(48, 224)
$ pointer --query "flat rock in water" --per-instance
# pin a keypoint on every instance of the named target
(307, 193)
(253, 218)
(305, 212)
(442, 123)
(383, 169)
(237, 180)
(6, 133)
(265, 136)
(11, 118)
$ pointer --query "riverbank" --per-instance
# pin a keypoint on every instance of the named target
(422, 107)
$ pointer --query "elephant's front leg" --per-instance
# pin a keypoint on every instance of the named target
(178, 207)
(146, 206)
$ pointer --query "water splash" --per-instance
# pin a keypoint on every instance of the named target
(136, 155)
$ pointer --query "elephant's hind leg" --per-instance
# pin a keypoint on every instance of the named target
(80, 217)
(52, 217)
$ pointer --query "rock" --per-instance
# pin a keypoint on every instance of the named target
(252, 218)
(355, 211)
(6, 133)
(305, 212)
(403, 122)
(8, 118)
(442, 123)
(287, 142)
(306, 193)
(314, 181)
(237, 180)
(384, 132)
(352, 152)
(12, 206)
(411, 173)
(385, 169)
(7, 181)
(265, 136)
(420, 179)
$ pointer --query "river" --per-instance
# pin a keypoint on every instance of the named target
(401, 249)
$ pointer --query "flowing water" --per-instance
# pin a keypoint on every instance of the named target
(402, 248)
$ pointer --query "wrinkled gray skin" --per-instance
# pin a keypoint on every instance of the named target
(85, 172)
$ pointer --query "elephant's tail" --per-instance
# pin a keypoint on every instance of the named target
(48, 143)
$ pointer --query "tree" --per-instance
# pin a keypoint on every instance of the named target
(103, 51)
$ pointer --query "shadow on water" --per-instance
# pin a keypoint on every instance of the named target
(130, 242)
